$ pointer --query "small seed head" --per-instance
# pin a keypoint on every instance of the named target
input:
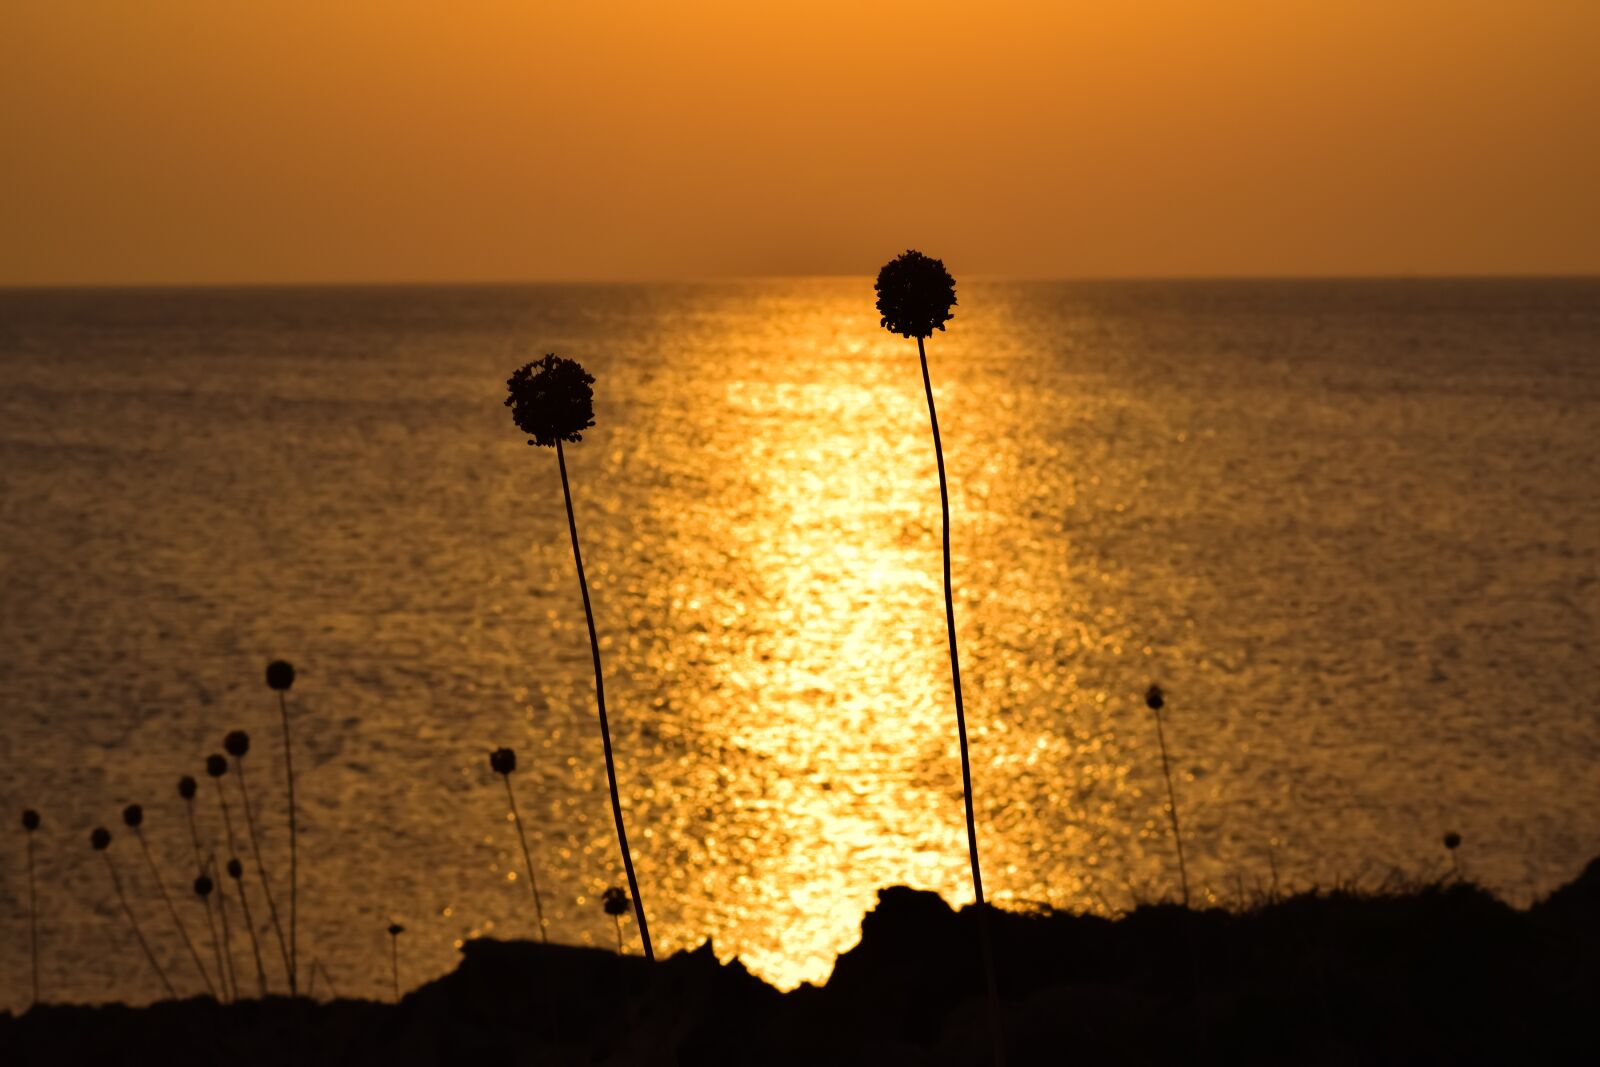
(615, 901)
(216, 765)
(502, 761)
(203, 886)
(187, 787)
(132, 816)
(30, 820)
(235, 869)
(395, 929)
(1154, 698)
(1452, 840)
(100, 839)
(237, 743)
(280, 675)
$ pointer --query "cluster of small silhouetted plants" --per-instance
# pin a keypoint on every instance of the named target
(551, 401)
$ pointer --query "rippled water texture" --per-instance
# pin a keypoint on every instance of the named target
(1351, 527)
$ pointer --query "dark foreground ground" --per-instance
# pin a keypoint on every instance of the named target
(1437, 975)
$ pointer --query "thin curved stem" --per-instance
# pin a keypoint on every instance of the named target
(1172, 808)
(261, 873)
(33, 920)
(225, 976)
(394, 964)
(527, 857)
(618, 920)
(600, 701)
(183, 932)
(137, 933)
(294, 855)
(961, 726)
(238, 884)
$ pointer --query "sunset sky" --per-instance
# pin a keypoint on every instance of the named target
(179, 141)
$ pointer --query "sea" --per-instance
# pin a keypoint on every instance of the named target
(1350, 527)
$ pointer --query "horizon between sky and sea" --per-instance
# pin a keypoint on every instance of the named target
(1349, 526)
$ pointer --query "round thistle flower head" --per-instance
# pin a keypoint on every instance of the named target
(915, 295)
(216, 765)
(280, 675)
(615, 901)
(1154, 698)
(1452, 840)
(502, 761)
(132, 816)
(551, 400)
(100, 839)
(203, 886)
(187, 787)
(30, 820)
(395, 929)
(235, 869)
(237, 743)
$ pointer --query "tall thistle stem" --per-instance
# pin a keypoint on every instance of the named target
(600, 701)
(961, 722)
(33, 919)
(172, 910)
(527, 857)
(1172, 807)
(127, 910)
(261, 872)
(238, 885)
(294, 859)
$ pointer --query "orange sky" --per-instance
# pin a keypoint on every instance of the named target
(155, 141)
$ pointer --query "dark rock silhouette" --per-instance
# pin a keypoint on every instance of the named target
(1442, 974)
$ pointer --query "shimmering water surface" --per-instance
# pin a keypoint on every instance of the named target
(1353, 528)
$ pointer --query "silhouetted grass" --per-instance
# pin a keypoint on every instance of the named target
(395, 930)
(1154, 699)
(615, 902)
(30, 824)
(216, 768)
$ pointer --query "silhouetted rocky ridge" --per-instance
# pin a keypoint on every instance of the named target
(1439, 974)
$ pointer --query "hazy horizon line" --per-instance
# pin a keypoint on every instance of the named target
(746, 278)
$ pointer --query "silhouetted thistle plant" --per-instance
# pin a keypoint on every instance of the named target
(100, 841)
(551, 401)
(503, 761)
(1452, 841)
(30, 823)
(915, 297)
(615, 903)
(133, 819)
(237, 744)
(187, 788)
(216, 767)
(395, 930)
(1155, 700)
(280, 676)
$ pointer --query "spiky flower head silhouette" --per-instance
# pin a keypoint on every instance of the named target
(915, 295)
(615, 901)
(132, 816)
(216, 765)
(551, 400)
(237, 743)
(1452, 840)
(186, 787)
(100, 839)
(502, 761)
(30, 820)
(395, 929)
(1154, 698)
(280, 675)
(203, 886)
